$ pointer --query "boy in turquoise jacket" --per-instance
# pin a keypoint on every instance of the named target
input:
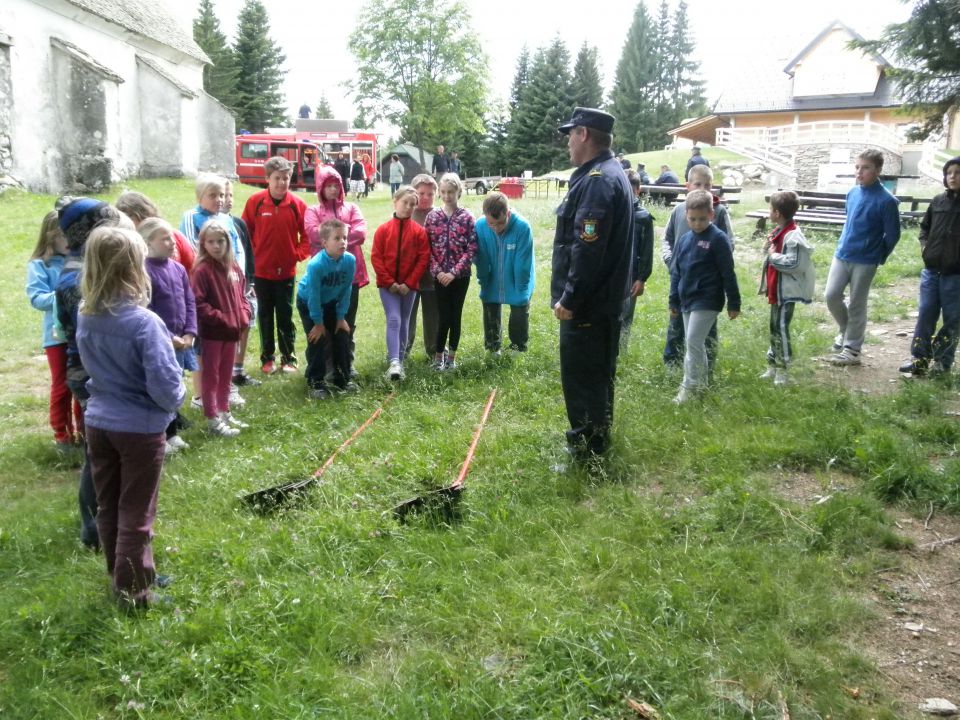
(505, 271)
(323, 299)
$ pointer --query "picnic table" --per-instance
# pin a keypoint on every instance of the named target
(828, 210)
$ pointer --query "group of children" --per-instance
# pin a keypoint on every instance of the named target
(130, 303)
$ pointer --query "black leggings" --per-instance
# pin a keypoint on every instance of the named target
(450, 301)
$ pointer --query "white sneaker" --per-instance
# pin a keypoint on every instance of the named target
(685, 395)
(177, 442)
(769, 374)
(216, 426)
(845, 358)
(394, 371)
(196, 402)
(781, 377)
(837, 344)
(169, 449)
(235, 398)
(230, 421)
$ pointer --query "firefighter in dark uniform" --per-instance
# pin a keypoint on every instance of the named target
(591, 271)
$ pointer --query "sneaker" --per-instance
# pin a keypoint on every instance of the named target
(288, 367)
(451, 364)
(438, 364)
(268, 368)
(162, 581)
(178, 442)
(241, 379)
(684, 395)
(781, 377)
(845, 358)
(938, 369)
(216, 426)
(196, 402)
(837, 346)
(231, 421)
(235, 398)
(394, 371)
(915, 367)
(319, 393)
(769, 374)
(169, 449)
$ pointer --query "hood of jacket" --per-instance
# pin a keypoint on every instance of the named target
(326, 174)
(946, 166)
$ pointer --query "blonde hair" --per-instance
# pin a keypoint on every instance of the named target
(699, 200)
(137, 206)
(49, 232)
(403, 190)
(700, 170)
(423, 179)
(495, 205)
(214, 226)
(151, 226)
(452, 179)
(113, 271)
(207, 182)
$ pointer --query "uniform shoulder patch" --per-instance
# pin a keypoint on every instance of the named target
(596, 172)
(589, 233)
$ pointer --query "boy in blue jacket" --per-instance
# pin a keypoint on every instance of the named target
(323, 299)
(701, 274)
(505, 272)
(869, 235)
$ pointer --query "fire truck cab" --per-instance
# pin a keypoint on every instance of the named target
(254, 150)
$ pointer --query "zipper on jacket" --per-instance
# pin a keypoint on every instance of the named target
(399, 238)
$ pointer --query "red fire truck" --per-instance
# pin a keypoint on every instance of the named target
(311, 142)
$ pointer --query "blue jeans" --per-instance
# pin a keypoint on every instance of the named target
(938, 294)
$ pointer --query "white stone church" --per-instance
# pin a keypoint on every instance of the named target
(95, 91)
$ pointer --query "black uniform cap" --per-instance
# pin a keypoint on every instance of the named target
(590, 118)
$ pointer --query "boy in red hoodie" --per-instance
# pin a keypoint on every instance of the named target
(275, 218)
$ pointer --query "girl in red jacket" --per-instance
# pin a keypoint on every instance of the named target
(222, 312)
(400, 255)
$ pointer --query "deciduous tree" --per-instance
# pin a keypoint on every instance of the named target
(420, 66)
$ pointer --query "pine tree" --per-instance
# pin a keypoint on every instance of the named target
(586, 87)
(634, 86)
(493, 151)
(220, 77)
(521, 78)
(260, 101)
(323, 110)
(545, 104)
(927, 58)
(686, 88)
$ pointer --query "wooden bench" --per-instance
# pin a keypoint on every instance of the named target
(825, 220)
(674, 194)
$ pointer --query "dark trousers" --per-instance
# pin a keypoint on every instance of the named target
(275, 297)
(518, 326)
(335, 344)
(351, 318)
(426, 301)
(588, 368)
(781, 350)
(450, 301)
(674, 349)
(87, 493)
(126, 472)
(939, 294)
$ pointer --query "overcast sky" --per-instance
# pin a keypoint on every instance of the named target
(730, 36)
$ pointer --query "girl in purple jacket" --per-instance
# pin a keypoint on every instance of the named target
(171, 299)
(453, 243)
(135, 390)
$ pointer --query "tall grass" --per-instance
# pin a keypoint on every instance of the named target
(679, 575)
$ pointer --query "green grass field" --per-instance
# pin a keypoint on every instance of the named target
(678, 574)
